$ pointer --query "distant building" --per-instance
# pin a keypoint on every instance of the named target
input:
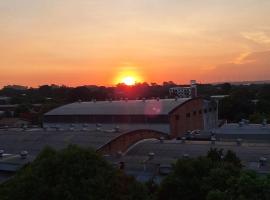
(16, 87)
(4, 100)
(244, 130)
(172, 116)
(184, 92)
(13, 122)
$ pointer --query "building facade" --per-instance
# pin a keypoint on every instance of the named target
(172, 116)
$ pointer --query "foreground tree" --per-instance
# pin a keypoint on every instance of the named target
(213, 177)
(71, 174)
(250, 186)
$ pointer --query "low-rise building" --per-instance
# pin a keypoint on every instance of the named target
(172, 116)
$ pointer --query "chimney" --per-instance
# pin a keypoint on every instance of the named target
(193, 86)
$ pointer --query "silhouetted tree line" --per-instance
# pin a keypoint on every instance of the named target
(74, 173)
(244, 102)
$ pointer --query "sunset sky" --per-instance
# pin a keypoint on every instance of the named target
(84, 42)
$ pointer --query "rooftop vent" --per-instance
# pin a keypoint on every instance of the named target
(165, 169)
(117, 129)
(213, 140)
(151, 155)
(58, 128)
(186, 156)
(24, 154)
(264, 122)
(161, 139)
(183, 139)
(98, 125)
(119, 154)
(241, 124)
(239, 141)
(244, 121)
(106, 156)
(262, 161)
(2, 153)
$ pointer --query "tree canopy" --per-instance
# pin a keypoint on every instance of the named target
(75, 173)
(214, 177)
(240, 103)
(71, 174)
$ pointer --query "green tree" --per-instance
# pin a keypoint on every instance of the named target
(186, 180)
(251, 186)
(215, 154)
(71, 174)
(22, 108)
(215, 195)
(208, 177)
(230, 157)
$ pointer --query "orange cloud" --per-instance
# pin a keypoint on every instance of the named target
(254, 66)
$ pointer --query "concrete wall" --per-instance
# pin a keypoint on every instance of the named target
(210, 115)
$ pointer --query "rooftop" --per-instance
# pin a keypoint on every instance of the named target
(123, 107)
(13, 142)
(169, 151)
(234, 128)
(13, 162)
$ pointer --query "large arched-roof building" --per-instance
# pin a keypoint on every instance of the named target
(171, 116)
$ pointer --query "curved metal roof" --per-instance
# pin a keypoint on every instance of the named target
(34, 141)
(123, 107)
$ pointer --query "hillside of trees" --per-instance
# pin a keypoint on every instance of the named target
(250, 102)
(81, 174)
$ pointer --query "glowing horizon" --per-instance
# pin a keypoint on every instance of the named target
(101, 42)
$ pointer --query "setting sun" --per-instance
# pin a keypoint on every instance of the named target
(128, 74)
(129, 80)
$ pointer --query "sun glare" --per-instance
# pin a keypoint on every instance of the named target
(129, 80)
(127, 75)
